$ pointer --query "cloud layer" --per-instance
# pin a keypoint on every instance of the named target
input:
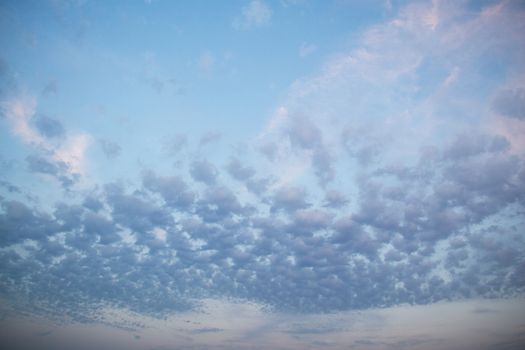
(379, 180)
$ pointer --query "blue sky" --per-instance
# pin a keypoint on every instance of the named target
(296, 158)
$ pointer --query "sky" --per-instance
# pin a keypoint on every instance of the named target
(256, 174)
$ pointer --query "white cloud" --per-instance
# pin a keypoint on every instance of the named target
(72, 152)
(384, 71)
(20, 110)
(256, 14)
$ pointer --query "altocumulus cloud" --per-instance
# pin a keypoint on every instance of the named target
(385, 184)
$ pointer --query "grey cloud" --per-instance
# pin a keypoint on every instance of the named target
(239, 171)
(41, 165)
(322, 162)
(54, 168)
(96, 224)
(461, 181)
(49, 127)
(303, 133)
(210, 137)
(203, 171)
(68, 216)
(19, 222)
(269, 150)
(485, 175)
(172, 189)
(130, 210)
(405, 245)
(309, 221)
(111, 149)
(10, 187)
(362, 145)
(298, 257)
(335, 199)
(351, 235)
(258, 186)
(467, 145)
(92, 203)
(218, 203)
(511, 103)
(174, 144)
(393, 255)
(290, 198)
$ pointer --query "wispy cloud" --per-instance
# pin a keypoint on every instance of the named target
(20, 112)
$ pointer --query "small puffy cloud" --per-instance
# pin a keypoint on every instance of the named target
(347, 226)
(258, 186)
(111, 149)
(393, 255)
(203, 171)
(96, 224)
(55, 168)
(133, 211)
(239, 171)
(174, 144)
(73, 151)
(69, 216)
(49, 127)
(93, 203)
(290, 198)
(335, 199)
(304, 133)
(19, 222)
(511, 103)
(310, 220)
(269, 149)
(362, 144)
(255, 14)
(322, 162)
(467, 145)
(210, 137)
(172, 189)
(218, 203)
(41, 165)
(306, 139)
